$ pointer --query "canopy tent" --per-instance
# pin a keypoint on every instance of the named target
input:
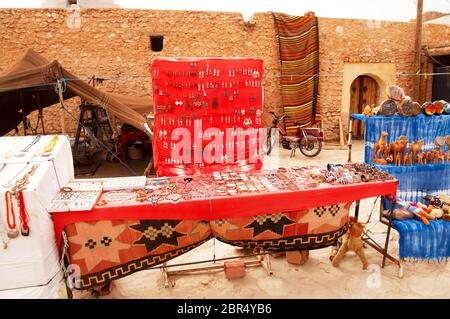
(30, 85)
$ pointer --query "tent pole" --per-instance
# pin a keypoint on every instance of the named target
(62, 117)
(24, 119)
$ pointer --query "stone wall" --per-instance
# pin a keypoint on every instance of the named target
(114, 43)
(363, 41)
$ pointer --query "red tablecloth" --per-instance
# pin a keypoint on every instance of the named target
(229, 206)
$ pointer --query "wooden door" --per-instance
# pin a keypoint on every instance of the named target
(363, 91)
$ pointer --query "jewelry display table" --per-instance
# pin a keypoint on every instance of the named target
(132, 230)
(32, 171)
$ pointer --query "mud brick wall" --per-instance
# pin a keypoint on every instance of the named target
(115, 43)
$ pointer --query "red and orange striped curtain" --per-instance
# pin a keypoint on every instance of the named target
(298, 39)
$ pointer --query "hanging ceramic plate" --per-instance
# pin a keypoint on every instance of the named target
(395, 93)
(415, 108)
(405, 107)
(447, 140)
(388, 108)
(439, 141)
(439, 105)
(428, 108)
(447, 108)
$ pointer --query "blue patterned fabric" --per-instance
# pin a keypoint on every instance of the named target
(417, 241)
(417, 180)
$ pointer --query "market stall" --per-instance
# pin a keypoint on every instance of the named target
(147, 224)
(415, 149)
(32, 171)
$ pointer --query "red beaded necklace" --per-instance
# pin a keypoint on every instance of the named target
(12, 231)
(25, 230)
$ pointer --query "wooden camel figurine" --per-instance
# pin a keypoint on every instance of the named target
(408, 159)
(422, 158)
(397, 150)
(416, 147)
(380, 146)
(441, 157)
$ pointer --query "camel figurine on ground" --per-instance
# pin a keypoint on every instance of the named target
(351, 241)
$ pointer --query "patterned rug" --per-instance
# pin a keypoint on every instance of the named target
(298, 38)
(298, 230)
(95, 253)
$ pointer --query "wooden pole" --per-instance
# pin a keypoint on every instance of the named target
(417, 49)
(62, 115)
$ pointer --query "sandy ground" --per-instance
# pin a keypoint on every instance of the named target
(315, 279)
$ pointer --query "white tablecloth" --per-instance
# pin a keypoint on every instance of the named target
(30, 265)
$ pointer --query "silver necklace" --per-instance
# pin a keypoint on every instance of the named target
(9, 183)
(27, 148)
(2, 234)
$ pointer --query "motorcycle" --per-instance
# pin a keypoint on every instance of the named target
(307, 140)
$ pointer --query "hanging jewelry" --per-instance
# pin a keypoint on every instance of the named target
(27, 148)
(48, 149)
(9, 183)
(10, 216)
(24, 229)
(3, 233)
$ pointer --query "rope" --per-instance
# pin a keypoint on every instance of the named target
(91, 135)
(61, 83)
(277, 75)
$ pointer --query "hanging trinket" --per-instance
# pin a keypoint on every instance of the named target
(10, 216)
(24, 229)
(258, 117)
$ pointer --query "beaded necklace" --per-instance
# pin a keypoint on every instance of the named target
(10, 216)
(18, 189)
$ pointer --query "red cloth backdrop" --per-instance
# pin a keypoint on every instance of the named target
(211, 93)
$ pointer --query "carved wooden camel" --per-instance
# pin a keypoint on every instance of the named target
(395, 151)
(416, 147)
(380, 146)
(408, 159)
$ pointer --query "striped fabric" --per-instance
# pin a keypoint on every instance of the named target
(298, 39)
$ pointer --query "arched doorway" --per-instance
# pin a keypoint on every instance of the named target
(363, 91)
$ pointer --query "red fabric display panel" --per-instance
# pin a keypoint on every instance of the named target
(208, 115)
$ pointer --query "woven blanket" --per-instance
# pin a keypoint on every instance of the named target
(106, 250)
(298, 38)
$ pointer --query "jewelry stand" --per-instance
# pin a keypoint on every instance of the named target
(386, 221)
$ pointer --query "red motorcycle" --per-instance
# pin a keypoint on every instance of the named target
(308, 140)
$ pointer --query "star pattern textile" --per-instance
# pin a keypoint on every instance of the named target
(330, 215)
(98, 243)
(271, 222)
(155, 233)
